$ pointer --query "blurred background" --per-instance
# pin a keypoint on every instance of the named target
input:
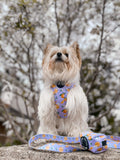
(26, 26)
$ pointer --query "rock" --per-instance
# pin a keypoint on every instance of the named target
(22, 152)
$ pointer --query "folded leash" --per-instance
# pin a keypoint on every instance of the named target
(93, 142)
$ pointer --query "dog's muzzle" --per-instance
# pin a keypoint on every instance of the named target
(59, 57)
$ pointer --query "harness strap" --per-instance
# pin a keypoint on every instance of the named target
(60, 97)
(94, 142)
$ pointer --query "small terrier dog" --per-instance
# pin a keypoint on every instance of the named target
(61, 68)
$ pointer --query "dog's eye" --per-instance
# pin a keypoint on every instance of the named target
(66, 54)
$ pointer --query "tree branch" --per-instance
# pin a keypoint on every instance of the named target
(95, 75)
(13, 126)
(57, 24)
(105, 113)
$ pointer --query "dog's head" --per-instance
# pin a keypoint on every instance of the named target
(61, 63)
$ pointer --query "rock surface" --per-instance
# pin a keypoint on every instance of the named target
(22, 152)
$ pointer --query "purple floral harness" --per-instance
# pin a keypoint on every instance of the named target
(94, 142)
(60, 97)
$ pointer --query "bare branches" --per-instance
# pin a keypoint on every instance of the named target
(102, 32)
(95, 75)
(23, 60)
(57, 24)
(30, 68)
(13, 126)
(115, 28)
(69, 20)
(108, 111)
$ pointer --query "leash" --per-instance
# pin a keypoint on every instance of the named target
(93, 142)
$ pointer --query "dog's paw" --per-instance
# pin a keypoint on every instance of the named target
(74, 134)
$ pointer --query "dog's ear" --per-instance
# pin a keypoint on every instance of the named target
(47, 48)
(75, 45)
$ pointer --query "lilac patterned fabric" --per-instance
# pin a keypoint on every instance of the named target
(60, 97)
(93, 142)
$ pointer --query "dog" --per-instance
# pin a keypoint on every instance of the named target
(61, 67)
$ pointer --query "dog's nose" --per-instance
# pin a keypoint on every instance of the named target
(59, 54)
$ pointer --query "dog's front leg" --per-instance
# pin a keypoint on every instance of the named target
(77, 105)
(46, 113)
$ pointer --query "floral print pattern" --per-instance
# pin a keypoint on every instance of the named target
(60, 96)
(96, 142)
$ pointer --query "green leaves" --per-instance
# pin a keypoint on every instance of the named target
(24, 24)
(6, 33)
(26, 2)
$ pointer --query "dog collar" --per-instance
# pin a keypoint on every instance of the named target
(60, 92)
